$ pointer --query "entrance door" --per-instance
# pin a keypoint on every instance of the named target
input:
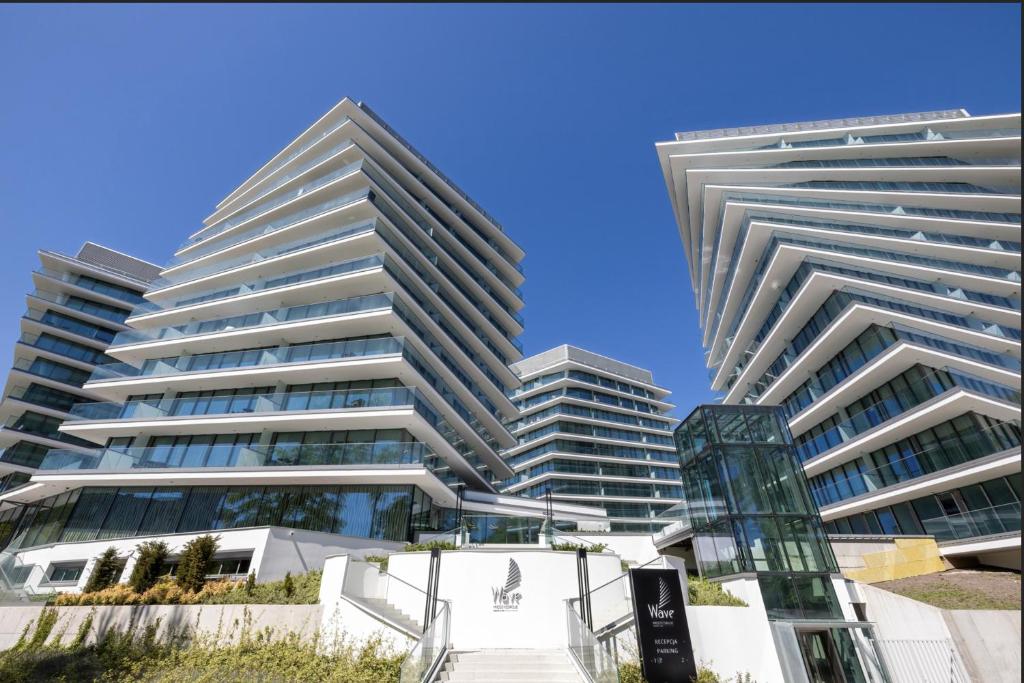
(821, 661)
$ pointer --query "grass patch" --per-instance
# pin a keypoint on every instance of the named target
(953, 596)
(704, 593)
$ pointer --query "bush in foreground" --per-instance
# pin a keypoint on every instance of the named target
(704, 593)
(118, 656)
(104, 574)
(305, 590)
(195, 558)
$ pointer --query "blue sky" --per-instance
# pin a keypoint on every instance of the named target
(126, 124)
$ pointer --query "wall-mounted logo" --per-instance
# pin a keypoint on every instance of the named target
(506, 597)
(660, 610)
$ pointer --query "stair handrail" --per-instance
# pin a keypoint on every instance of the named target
(430, 651)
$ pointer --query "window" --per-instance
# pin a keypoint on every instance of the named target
(66, 573)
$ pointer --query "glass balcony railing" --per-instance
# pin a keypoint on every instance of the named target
(82, 306)
(66, 323)
(91, 284)
(391, 397)
(284, 280)
(261, 227)
(300, 353)
(359, 304)
(849, 482)
(255, 207)
(927, 387)
(230, 455)
(222, 265)
(998, 519)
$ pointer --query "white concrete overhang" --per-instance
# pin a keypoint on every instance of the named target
(519, 448)
(857, 319)
(31, 326)
(518, 486)
(50, 483)
(22, 378)
(10, 436)
(307, 199)
(60, 262)
(51, 283)
(942, 408)
(712, 203)
(896, 359)
(787, 258)
(518, 506)
(761, 232)
(309, 330)
(563, 455)
(569, 364)
(353, 368)
(591, 421)
(348, 213)
(11, 406)
(343, 248)
(41, 304)
(615, 499)
(980, 546)
(734, 212)
(569, 382)
(999, 464)
(840, 332)
(670, 422)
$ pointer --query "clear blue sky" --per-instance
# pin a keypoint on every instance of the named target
(126, 124)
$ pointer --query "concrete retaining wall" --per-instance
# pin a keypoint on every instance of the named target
(989, 643)
(226, 623)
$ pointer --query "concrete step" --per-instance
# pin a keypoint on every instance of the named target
(509, 666)
(389, 612)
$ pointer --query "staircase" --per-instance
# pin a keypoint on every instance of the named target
(509, 666)
(384, 609)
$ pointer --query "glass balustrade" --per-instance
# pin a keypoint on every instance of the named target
(109, 313)
(303, 353)
(231, 455)
(222, 265)
(273, 226)
(283, 280)
(854, 479)
(426, 655)
(391, 397)
(92, 284)
(999, 519)
(255, 207)
(359, 304)
(909, 395)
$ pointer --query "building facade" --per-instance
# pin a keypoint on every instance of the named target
(79, 304)
(593, 431)
(329, 354)
(864, 275)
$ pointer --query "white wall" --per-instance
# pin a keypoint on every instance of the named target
(342, 618)
(468, 578)
(989, 643)
(633, 548)
(299, 551)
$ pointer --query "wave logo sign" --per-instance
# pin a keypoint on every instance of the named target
(659, 611)
(507, 597)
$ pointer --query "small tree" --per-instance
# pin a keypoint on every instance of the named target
(104, 574)
(149, 565)
(195, 558)
(250, 583)
(289, 584)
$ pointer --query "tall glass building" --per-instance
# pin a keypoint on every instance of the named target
(79, 304)
(594, 431)
(328, 353)
(864, 275)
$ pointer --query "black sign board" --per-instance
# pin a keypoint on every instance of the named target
(666, 653)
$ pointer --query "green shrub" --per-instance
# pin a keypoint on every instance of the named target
(195, 558)
(288, 585)
(708, 593)
(149, 566)
(573, 547)
(630, 672)
(105, 572)
(380, 560)
(123, 656)
(440, 545)
(250, 583)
